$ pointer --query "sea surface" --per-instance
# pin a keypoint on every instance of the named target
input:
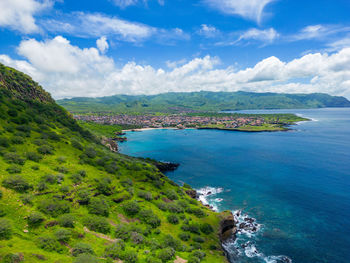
(295, 184)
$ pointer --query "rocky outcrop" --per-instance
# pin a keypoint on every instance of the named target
(192, 193)
(167, 166)
(109, 143)
(227, 226)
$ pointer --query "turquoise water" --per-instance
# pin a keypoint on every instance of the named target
(296, 184)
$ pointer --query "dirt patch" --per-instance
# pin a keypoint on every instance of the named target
(180, 260)
(125, 220)
(86, 230)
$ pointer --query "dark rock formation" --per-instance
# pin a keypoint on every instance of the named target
(167, 166)
(192, 193)
(227, 226)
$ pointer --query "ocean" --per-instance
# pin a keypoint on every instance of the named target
(294, 185)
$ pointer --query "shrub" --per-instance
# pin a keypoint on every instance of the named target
(145, 195)
(173, 219)
(63, 234)
(17, 183)
(129, 256)
(27, 199)
(147, 216)
(2, 212)
(196, 211)
(193, 260)
(66, 220)
(193, 228)
(162, 206)
(115, 250)
(62, 169)
(184, 236)
(198, 239)
(136, 238)
(12, 258)
(171, 194)
(84, 196)
(54, 207)
(50, 178)
(170, 241)
(42, 186)
(127, 182)
(33, 156)
(104, 187)
(174, 208)
(90, 152)
(17, 140)
(35, 219)
(76, 178)
(5, 229)
(14, 169)
(86, 258)
(131, 208)
(206, 228)
(1, 194)
(81, 248)
(49, 244)
(122, 231)
(97, 224)
(198, 254)
(76, 144)
(98, 206)
(45, 149)
(4, 142)
(13, 158)
(166, 254)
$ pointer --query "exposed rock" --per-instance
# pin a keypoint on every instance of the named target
(167, 166)
(192, 193)
(109, 143)
(227, 226)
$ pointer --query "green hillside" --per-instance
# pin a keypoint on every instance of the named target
(64, 197)
(201, 101)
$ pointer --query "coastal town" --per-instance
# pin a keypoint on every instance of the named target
(182, 121)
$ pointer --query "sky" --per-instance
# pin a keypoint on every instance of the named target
(100, 48)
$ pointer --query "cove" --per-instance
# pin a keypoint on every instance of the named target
(296, 184)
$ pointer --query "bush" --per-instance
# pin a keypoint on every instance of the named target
(86, 258)
(171, 194)
(27, 199)
(170, 241)
(173, 219)
(196, 211)
(129, 256)
(33, 156)
(166, 254)
(184, 236)
(54, 207)
(193, 228)
(1, 194)
(84, 196)
(193, 260)
(162, 206)
(13, 158)
(45, 149)
(50, 178)
(5, 229)
(145, 195)
(131, 208)
(42, 186)
(63, 235)
(206, 228)
(98, 206)
(76, 178)
(66, 220)
(115, 250)
(17, 140)
(49, 244)
(81, 248)
(17, 183)
(90, 152)
(122, 231)
(2, 212)
(4, 142)
(97, 224)
(198, 254)
(35, 219)
(12, 258)
(147, 216)
(14, 169)
(104, 187)
(174, 208)
(198, 239)
(136, 238)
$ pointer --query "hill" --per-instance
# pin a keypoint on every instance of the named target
(201, 101)
(64, 197)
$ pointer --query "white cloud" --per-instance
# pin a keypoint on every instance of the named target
(317, 32)
(19, 14)
(267, 35)
(102, 44)
(125, 3)
(66, 70)
(208, 31)
(249, 9)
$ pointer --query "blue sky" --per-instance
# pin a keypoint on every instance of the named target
(106, 47)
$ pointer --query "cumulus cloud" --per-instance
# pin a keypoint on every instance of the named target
(208, 31)
(19, 14)
(66, 70)
(249, 9)
(102, 44)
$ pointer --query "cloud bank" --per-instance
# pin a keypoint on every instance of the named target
(66, 70)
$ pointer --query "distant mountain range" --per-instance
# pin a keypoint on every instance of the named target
(202, 101)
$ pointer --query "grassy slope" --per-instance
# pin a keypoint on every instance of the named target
(201, 101)
(108, 177)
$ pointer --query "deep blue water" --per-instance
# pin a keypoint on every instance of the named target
(296, 183)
